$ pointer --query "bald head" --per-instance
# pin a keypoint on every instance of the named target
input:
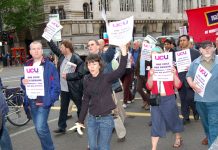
(101, 44)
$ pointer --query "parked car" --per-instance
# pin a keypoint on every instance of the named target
(161, 39)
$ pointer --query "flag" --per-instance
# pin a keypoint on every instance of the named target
(203, 23)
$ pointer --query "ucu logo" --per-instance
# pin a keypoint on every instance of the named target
(162, 57)
(32, 70)
(118, 24)
(202, 71)
(181, 53)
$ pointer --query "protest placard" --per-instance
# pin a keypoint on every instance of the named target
(202, 77)
(162, 65)
(35, 85)
(183, 60)
(69, 67)
(146, 51)
(51, 29)
(120, 32)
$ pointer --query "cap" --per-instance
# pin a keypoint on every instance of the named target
(157, 49)
(205, 44)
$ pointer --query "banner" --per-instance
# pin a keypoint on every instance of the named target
(162, 65)
(203, 23)
(120, 32)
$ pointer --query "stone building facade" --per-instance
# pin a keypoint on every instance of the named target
(81, 19)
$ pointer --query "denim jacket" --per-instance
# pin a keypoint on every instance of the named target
(211, 93)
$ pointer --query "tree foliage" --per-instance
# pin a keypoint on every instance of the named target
(21, 14)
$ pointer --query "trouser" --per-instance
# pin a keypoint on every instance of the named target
(127, 80)
(40, 118)
(65, 100)
(208, 112)
(5, 140)
(100, 132)
(187, 100)
(141, 83)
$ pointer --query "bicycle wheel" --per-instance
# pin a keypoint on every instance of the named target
(16, 114)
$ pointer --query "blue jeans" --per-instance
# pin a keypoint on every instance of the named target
(5, 140)
(208, 112)
(40, 118)
(100, 132)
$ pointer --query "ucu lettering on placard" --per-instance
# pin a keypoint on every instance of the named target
(162, 57)
(181, 53)
(202, 71)
(118, 24)
(32, 70)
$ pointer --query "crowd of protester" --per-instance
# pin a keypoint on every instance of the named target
(92, 84)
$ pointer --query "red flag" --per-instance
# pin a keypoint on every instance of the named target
(203, 23)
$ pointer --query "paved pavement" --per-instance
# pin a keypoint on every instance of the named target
(138, 131)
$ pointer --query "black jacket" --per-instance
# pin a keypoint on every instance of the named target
(74, 80)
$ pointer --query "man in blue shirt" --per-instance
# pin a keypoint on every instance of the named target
(207, 106)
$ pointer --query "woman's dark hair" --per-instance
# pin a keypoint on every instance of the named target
(95, 58)
(68, 44)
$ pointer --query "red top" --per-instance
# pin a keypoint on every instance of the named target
(168, 86)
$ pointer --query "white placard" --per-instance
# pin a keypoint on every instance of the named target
(57, 36)
(69, 67)
(202, 77)
(35, 85)
(146, 51)
(162, 65)
(183, 30)
(183, 60)
(51, 29)
(120, 32)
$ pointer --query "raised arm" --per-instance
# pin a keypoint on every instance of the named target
(54, 48)
(122, 66)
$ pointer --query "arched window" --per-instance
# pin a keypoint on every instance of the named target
(86, 10)
(145, 30)
(102, 30)
(165, 29)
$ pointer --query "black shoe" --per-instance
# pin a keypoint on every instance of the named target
(186, 121)
(196, 116)
(149, 123)
(69, 117)
(59, 130)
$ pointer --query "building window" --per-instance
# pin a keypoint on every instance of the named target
(180, 6)
(147, 5)
(165, 29)
(86, 10)
(61, 12)
(101, 31)
(203, 3)
(189, 4)
(126, 5)
(145, 31)
(166, 6)
(212, 2)
(106, 4)
(53, 10)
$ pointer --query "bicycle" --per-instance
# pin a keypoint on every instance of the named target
(15, 98)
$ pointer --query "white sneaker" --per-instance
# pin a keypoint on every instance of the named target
(129, 102)
(124, 105)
